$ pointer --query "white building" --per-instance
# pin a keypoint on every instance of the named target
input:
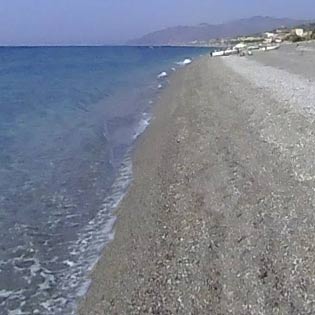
(270, 35)
(268, 40)
(299, 32)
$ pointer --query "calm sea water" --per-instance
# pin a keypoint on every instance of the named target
(68, 120)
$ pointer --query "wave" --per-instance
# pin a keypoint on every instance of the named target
(162, 75)
(185, 62)
(142, 126)
(85, 252)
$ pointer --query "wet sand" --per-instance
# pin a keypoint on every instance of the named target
(220, 217)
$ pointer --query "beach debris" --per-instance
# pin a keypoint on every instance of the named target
(160, 86)
(162, 75)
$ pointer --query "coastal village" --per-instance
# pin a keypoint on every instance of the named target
(267, 41)
(280, 35)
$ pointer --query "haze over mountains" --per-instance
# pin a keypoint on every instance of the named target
(205, 32)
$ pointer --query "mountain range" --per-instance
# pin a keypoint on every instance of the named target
(183, 35)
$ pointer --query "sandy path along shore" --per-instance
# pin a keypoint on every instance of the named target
(217, 220)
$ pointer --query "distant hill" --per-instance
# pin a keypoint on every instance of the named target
(205, 32)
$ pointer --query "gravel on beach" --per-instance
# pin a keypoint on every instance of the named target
(220, 217)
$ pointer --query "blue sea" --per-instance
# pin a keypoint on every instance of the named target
(69, 120)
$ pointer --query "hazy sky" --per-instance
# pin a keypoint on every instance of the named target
(114, 21)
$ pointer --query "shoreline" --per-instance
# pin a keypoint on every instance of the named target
(142, 154)
(219, 217)
(125, 170)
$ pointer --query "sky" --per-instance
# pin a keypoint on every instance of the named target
(58, 22)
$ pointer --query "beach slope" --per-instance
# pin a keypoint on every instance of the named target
(220, 216)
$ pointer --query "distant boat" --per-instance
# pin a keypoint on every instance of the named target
(232, 51)
(268, 48)
(253, 47)
(217, 53)
(273, 47)
(227, 52)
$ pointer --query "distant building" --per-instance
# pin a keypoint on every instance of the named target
(250, 39)
(270, 35)
(283, 30)
(268, 40)
(299, 32)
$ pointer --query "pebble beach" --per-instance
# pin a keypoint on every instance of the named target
(219, 218)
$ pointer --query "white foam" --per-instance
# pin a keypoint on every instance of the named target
(143, 124)
(96, 235)
(162, 75)
(17, 312)
(69, 263)
(5, 294)
(185, 62)
(35, 267)
(11, 295)
(48, 280)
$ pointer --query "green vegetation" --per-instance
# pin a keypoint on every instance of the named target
(295, 38)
